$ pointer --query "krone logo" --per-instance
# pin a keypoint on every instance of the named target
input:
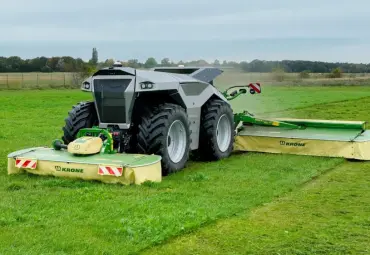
(296, 144)
(76, 146)
(69, 170)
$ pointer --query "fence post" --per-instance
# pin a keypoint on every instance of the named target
(22, 81)
(64, 80)
(7, 81)
(37, 80)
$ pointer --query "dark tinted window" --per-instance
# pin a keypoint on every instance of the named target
(110, 99)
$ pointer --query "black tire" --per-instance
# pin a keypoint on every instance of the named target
(152, 134)
(82, 115)
(211, 114)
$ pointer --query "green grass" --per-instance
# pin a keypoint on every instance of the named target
(350, 110)
(277, 99)
(236, 77)
(47, 215)
(61, 216)
(330, 215)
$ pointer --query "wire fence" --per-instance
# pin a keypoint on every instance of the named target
(18, 81)
(38, 80)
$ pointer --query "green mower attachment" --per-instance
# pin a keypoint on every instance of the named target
(247, 119)
(90, 157)
(327, 138)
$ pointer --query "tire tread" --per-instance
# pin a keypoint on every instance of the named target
(82, 115)
(207, 142)
(152, 136)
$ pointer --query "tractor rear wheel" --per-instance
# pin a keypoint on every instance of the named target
(217, 132)
(164, 130)
(82, 115)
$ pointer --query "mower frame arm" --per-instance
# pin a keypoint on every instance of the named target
(239, 90)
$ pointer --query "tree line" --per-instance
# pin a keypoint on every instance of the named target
(70, 64)
(299, 66)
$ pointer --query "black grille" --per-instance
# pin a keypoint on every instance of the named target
(110, 99)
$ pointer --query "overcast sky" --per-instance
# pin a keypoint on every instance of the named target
(328, 30)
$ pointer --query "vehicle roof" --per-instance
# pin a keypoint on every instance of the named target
(166, 74)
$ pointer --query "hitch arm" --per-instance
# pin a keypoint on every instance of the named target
(249, 119)
(241, 89)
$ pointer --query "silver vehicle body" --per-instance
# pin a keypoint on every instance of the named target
(117, 89)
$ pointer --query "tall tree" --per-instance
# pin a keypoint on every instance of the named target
(165, 62)
(150, 63)
(109, 62)
(134, 63)
(95, 58)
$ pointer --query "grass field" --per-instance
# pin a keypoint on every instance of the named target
(228, 78)
(329, 215)
(236, 77)
(250, 203)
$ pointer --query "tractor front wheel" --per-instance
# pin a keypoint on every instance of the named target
(217, 132)
(164, 130)
(82, 115)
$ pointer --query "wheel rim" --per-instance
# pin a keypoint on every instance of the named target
(223, 132)
(176, 141)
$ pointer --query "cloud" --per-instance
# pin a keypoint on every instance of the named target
(169, 20)
(167, 24)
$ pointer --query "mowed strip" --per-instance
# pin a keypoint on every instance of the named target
(328, 216)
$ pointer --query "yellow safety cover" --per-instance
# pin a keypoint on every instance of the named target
(85, 145)
(129, 175)
(327, 148)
